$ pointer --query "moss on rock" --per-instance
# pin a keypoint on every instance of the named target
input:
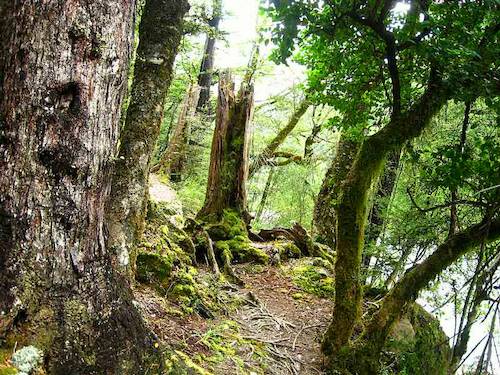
(427, 352)
(314, 276)
(287, 250)
(153, 268)
(240, 249)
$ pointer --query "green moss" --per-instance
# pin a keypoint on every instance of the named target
(287, 250)
(5, 367)
(7, 370)
(178, 363)
(153, 268)
(241, 250)
(314, 277)
(231, 225)
(428, 351)
(324, 252)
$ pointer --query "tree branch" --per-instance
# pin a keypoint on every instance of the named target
(417, 278)
(271, 148)
(391, 54)
(444, 205)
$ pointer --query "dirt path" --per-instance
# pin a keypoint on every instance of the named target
(275, 330)
(291, 327)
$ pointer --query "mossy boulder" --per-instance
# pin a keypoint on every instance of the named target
(240, 249)
(418, 344)
(286, 250)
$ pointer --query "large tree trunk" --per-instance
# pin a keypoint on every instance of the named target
(207, 62)
(160, 33)
(64, 79)
(228, 172)
(173, 161)
(267, 154)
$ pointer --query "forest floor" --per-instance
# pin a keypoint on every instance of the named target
(272, 324)
(275, 328)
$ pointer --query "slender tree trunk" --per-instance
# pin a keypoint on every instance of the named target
(352, 209)
(265, 194)
(160, 33)
(173, 161)
(264, 157)
(398, 268)
(482, 286)
(308, 147)
(461, 148)
(228, 172)
(385, 188)
(207, 63)
(63, 83)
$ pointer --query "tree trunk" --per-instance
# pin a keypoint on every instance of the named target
(265, 193)
(160, 33)
(352, 208)
(308, 146)
(461, 148)
(173, 161)
(64, 79)
(226, 188)
(379, 209)
(267, 154)
(324, 208)
(207, 62)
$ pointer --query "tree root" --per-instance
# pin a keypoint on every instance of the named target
(198, 231)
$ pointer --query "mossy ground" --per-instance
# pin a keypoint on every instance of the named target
(5, 366)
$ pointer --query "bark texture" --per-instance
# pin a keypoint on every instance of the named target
(160, 33)
(64, 79)
(268, 153)
(228, 172)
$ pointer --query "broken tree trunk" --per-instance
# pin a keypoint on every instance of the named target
(267, 154)
(226, 187)
(173, 161)
(63, 83)
(160, 33)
